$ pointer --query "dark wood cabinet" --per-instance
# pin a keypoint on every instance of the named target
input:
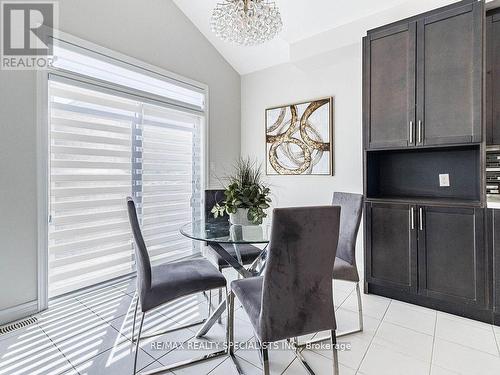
(451, 254)
(493, 78)
(423, 80)
(390, 75)
(433, 251)
(390, 245)
(449, 71)
(428, 240)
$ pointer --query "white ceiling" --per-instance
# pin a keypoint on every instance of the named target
(301, 18)
(303, 21)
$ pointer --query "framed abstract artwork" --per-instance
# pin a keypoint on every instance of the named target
(299, 138)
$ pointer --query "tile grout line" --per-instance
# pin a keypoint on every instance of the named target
(59, 350)
(170, 351)
(496, 339)
(229, 359)
(290, 364)
(90, 308)
(343, 301)
(408, 328)
(433, 343)
(373, 338)
(467, 347)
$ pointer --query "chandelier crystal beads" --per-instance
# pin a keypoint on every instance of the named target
(246, 22)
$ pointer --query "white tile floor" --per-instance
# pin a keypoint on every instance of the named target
(90, 334)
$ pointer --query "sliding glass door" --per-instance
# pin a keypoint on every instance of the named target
(104, 146)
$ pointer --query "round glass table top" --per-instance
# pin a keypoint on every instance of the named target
(224, 232)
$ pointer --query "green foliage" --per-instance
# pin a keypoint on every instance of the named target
(245, 189)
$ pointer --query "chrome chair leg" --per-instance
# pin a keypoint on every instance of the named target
(220, 300)
(220, 297)
(230, 323)
(335, 353)
(342, 334)
(360, 308)
(209, 303)
(135, 316)
(230, 332)
(265, 360)
(137, 343)
(297, 351)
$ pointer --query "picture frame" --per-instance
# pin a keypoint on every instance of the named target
(299, 138)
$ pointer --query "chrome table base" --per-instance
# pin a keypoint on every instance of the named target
(254, 270)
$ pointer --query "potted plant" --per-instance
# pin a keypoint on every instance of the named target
(246, 196)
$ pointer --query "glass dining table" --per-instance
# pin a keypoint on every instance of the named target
(216, 234)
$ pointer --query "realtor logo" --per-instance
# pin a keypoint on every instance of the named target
(27, 29)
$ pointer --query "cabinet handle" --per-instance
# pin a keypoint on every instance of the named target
(419, 135)
(421, 218)
(412, 218)
(411, 132)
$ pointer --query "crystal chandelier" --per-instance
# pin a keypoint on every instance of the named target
(246, 22)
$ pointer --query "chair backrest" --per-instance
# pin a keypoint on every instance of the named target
(297, 297)
(350, 218)
(142, 261)
(211, 198)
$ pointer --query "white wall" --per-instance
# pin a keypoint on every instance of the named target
(154, 31)
(337, 74)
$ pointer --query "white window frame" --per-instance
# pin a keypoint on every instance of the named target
(42, 115)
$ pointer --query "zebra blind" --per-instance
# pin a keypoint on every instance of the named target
(104, 147)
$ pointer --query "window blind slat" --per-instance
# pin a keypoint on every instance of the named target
(91, 255)
(97, 125)
(96, 217)
(68, 150)
(85, 177)
(57, 135)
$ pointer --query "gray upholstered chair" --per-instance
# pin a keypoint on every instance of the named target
(249, 253)
(158, 285)
(294, 296)
(345, 263)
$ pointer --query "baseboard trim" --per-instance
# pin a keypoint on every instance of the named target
(18, 312)
(466, 311)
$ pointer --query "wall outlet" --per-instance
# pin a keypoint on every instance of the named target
(444, 180)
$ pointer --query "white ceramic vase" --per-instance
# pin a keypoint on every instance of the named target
(240, 217)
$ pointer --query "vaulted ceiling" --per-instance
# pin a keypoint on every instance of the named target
(308, 26)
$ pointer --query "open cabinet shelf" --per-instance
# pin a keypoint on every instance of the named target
(414, 175)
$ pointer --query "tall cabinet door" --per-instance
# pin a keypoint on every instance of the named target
(389, 81)
(493, 79)
(451, 254)
(449, 71)
(391, 245)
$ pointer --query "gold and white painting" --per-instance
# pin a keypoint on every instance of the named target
(299, 138)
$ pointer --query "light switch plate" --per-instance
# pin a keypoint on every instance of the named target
(444, 180)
